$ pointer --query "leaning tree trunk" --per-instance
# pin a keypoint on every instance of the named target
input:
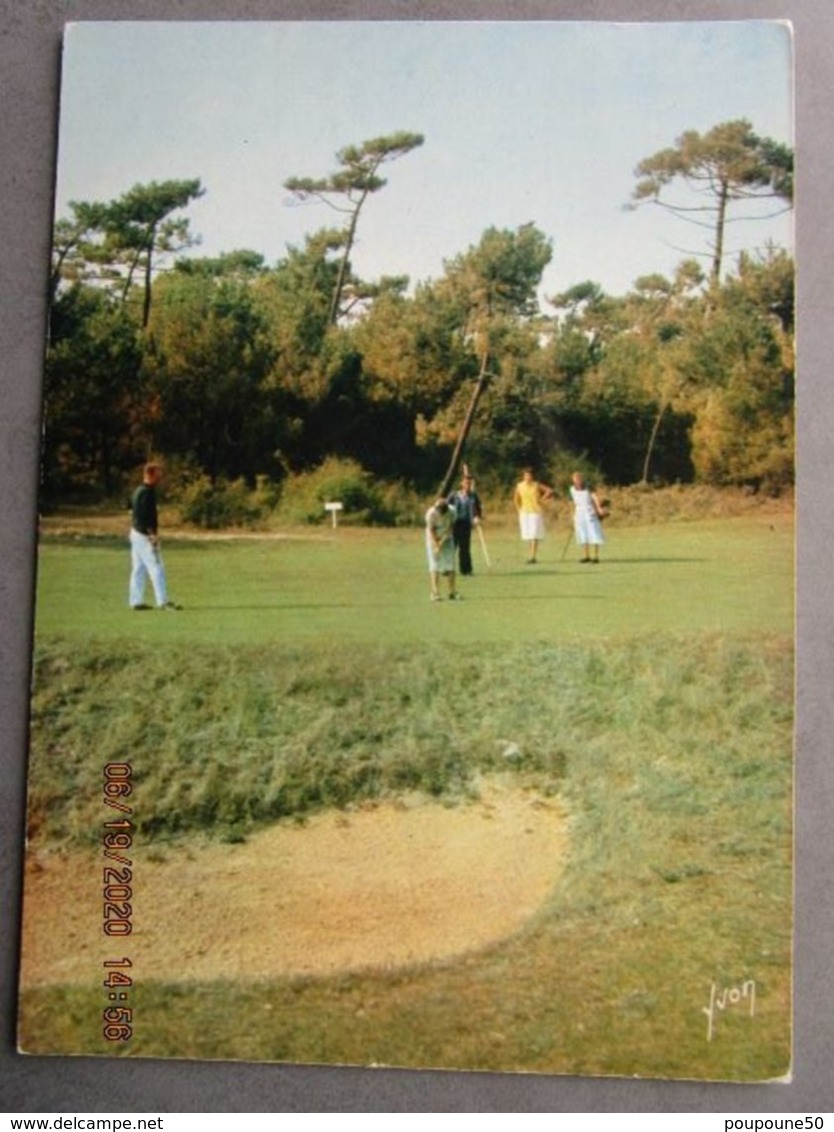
(333, 313)
(335, 302)
(652, 439)
(480, 386)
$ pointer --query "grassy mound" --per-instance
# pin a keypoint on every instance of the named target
(221, 739)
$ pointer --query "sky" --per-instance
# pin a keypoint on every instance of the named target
(541, 122)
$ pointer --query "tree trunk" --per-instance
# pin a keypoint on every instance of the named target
(720, 224)
(480, 386)
(146, 306)
(129, 279)
(333, 315)
(652, 439)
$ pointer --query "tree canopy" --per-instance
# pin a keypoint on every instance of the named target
(232, 368)
(115, 241)
(728, 164)
(347, 189)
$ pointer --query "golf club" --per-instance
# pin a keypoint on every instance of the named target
(484, 547)
(567, 544)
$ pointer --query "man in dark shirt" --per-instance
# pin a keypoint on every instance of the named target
(467, 507)
(145, 558)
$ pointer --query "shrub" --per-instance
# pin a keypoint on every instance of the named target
(406, 506)
(224, 503)
(336, 480)
(562, 466)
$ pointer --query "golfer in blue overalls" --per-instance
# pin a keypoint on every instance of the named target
(467, 507)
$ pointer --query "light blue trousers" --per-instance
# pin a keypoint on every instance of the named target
(146, 562)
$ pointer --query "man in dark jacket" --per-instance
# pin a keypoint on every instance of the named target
(468, 513)
(145, 558)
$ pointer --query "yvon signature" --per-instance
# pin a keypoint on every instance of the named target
(740, 997)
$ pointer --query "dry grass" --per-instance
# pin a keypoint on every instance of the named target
(630, 506)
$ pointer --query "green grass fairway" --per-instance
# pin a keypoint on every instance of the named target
(722, 576)
(652, 695)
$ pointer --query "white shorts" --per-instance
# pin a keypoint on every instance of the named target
(532, 525)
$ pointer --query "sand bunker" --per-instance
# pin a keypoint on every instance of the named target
(380, 886)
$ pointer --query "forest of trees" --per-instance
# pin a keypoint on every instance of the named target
(231, 369)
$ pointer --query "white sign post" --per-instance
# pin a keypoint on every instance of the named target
(334, 509)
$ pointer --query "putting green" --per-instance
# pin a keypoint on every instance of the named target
(372, 586)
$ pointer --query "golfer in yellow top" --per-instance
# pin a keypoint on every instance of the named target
(528, 499)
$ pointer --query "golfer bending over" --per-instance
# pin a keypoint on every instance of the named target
(587, 513)
(440, 547)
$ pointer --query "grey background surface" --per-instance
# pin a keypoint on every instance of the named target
(30, 39)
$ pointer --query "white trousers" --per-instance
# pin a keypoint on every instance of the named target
(146, 562)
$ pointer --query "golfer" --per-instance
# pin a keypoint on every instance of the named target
(466, 504)
(528, 498)
(145, 558)
(440, 547)
(587, 513)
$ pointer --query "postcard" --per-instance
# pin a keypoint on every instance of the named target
(414, 633)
